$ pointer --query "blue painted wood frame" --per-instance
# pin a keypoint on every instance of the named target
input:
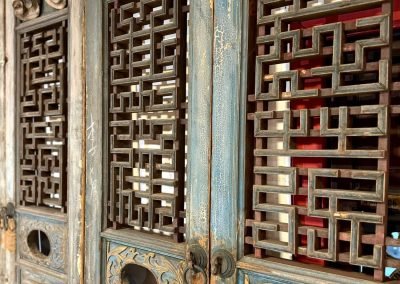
(225, 218)
(199, 130)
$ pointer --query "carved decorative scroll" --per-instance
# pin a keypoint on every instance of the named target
(26, 9)
(57, 4)
(55, 231)
(164, 269)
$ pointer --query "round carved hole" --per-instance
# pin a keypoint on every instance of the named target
(136, 274)
(39, 243)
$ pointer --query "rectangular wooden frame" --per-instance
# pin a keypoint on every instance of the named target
(96, 235)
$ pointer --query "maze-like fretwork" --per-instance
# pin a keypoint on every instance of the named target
(147, 115)
(330, 61)
(43, 112)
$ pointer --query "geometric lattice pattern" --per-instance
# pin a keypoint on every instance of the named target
(330, 62)
(43, 113)
(147, 115)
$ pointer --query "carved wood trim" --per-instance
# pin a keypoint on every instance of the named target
(26, 9)
(118, 256)
(57, 235)
(57, 4)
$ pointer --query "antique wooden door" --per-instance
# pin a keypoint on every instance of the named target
(292, 122)
(42, 141)
(95, 141)
(304, 182)
(192, 141)
(156, 140)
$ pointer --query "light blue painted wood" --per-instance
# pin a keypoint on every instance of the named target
(257, 278)
(225, 128)
(199, 130)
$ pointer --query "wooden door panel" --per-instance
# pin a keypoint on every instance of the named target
(42, 99)
(146, 103)
(148, 137)
(47, 183)
(330, 48)
(314, 169)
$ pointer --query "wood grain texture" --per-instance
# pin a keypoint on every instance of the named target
(2, 133)
(76, 145)
(8, 93)
(94, 134)
(225, 125)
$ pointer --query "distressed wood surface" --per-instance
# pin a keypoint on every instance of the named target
(2, 134)
(287, 272)
(94, 155)
(8, 118)
(225, 129)
(164, 269)
(76, 144)
(94, 134)
(142, 240)
(199, 142)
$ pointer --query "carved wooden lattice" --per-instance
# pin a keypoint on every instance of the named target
(147, 115)
(337, 56)
(43, 112)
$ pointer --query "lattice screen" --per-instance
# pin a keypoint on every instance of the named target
(147, 115)
(338, 83)
(43, 113)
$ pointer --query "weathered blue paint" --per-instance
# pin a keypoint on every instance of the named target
(199, 135)
(247, 277)
(225, 128)
(242, 130)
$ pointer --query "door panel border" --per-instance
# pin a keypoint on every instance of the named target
(225, 217)
(94, 41)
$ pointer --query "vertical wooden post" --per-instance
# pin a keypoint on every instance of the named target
(76, 142)
(94, 140)
(7, 124)
(2, 134)
(226, 128)
(199, 136)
